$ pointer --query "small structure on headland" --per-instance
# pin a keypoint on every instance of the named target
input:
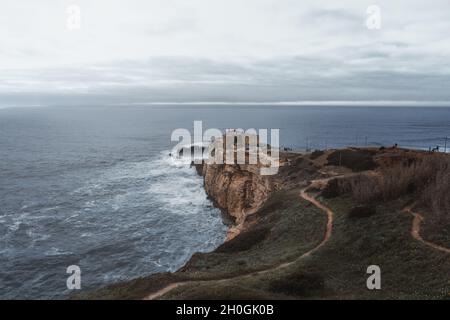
(233, 147)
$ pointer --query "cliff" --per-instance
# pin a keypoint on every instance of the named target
(238, 190)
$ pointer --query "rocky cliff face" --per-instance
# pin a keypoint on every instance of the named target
(238, 190)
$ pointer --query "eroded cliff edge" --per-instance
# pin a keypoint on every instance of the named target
(238, 190)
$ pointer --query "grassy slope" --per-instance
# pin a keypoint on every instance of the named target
(409, 268)
(338, 270)
(287, 227)
(435, 231)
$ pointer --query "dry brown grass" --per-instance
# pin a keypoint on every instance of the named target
(365, 188)
(428, 178)
(436, 194)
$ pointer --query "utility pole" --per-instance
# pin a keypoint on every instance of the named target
(445, 145)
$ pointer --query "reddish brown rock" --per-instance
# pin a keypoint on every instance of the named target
(238, 190)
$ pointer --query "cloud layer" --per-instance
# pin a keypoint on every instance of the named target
(217, 50)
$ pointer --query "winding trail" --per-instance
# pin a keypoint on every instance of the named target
(303, 194)
(166, 289)
(330, 216)
(415, 230)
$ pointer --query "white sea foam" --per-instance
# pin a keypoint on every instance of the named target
(130, 219)
(177, 186)
(53, 251)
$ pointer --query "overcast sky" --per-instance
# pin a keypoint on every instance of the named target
(135, 51)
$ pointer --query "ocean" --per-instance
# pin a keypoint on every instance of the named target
(95, 186)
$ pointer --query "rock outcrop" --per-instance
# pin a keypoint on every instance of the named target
(238, 190)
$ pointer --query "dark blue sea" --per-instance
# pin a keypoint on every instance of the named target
(95, 187)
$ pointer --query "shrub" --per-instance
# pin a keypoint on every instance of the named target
(365, 188)
(336, 187)
(316, 153)
(362, 211)
(244, 241)
(331, 190)
(298, 284)
(356, 160)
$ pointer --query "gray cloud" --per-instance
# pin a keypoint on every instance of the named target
(227, 51)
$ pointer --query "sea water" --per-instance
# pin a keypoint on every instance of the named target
(95, 186)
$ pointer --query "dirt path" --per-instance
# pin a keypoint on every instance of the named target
(164, 290)
(304, 194)
(415, 230)
(329, 213)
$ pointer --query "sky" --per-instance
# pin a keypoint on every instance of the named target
(227, 51)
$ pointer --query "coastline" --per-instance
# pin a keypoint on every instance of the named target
(274, 227)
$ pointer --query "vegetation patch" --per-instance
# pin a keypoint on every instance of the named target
(244, 241)
(300, 284)
(335, 188)
(134, 289)
(316, 153)
(362, 211)
(355, 159)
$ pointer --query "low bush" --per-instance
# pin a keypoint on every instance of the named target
(315, 154)
(357, 160)
(362, 211)
(336, 187)
(298, 284)
(244, 241)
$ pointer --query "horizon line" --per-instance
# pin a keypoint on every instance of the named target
(331, 103)
(362, 103)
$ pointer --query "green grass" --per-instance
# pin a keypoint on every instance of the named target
(434, 229)
(287, 227)
(409, 269)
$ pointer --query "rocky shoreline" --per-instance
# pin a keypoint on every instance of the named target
(273, 227)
